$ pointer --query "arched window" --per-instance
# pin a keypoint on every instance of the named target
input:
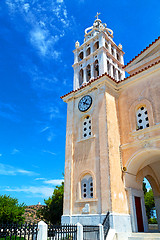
(96, 69)
(119, 75)
(88, 52)
(80, 77)
(142, 118)
(106, 45)
(112, 51)
(87, 131)
(108, 67)
(114, 72)
(118, 56)
(96, 46)
(87, 187)
(80, 57)
(88, 69)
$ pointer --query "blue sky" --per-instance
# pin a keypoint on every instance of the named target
(37, 38)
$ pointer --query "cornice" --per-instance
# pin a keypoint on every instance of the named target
(91, 85)
(144, 50)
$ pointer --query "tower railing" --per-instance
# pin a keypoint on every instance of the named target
(106, 225)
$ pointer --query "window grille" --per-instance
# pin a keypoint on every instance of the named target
(87, 187)
(87, 131)
(142, 118)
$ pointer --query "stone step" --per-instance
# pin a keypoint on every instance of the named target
(144, 236)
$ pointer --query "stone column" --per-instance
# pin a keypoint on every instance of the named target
(101, 232)
(101, 41)
(121, 58)
(79, 231)
(111, 70)
(109, 47)
(42, 231)
(115, 52)
(76, 57)
(84, 75)
(123, 74)
(102, 63)
(76, 77)
(91, 46)
(92, 70)
(116, 76)
(157, 205)
(84, 52)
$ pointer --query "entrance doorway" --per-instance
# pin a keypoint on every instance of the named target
(139, 214)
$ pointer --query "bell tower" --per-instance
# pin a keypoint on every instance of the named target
(93, 175)
(97, 55)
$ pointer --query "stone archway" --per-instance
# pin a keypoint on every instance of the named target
(145, 163)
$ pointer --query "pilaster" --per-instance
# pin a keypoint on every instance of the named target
(92, 70)
(67, 203)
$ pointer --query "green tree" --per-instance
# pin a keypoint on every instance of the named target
(10, 210)
(53, 210)
(144, 188)
(149, 203)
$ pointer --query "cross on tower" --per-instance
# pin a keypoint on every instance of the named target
(97, 15)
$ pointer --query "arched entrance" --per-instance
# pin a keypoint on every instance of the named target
(144, 164)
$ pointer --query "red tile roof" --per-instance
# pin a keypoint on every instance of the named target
(105, 74)
(142, 52)
(153, 64)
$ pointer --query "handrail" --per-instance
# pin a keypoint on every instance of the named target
(106, 224)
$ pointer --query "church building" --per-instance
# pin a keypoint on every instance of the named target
(112, 133)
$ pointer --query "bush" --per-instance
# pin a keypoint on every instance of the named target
(10, 210)
(152, 220)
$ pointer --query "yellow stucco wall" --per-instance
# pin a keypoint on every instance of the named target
(114, 143)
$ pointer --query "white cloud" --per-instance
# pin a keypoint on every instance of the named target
(54, 182)
(26, 7)
(15, 150)
(43, 42)
(49, 152)
(41, 191)
(9, 111)
(39, 179)
(44, 129)
(50, 137)
(47, 22)
(10, 170)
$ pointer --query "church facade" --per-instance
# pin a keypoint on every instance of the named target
(112, 133)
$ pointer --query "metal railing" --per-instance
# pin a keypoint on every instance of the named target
(18, 231)
(106, 225)
(64, 232)
(90, 232)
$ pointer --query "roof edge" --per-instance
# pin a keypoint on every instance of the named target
(142, 52)
(106, 74)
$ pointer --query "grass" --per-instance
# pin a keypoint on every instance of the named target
(12, 238)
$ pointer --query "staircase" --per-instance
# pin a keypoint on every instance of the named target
(144, 236)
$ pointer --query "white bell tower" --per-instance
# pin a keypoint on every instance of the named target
(97, 55)
(93, 176)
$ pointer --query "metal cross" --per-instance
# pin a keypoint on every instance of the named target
(97, 15)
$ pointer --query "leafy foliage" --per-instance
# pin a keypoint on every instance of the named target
(53, 210)
(152, 220)
(10, 210)
(149, 204)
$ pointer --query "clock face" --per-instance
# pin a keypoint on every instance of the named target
(85, 103)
